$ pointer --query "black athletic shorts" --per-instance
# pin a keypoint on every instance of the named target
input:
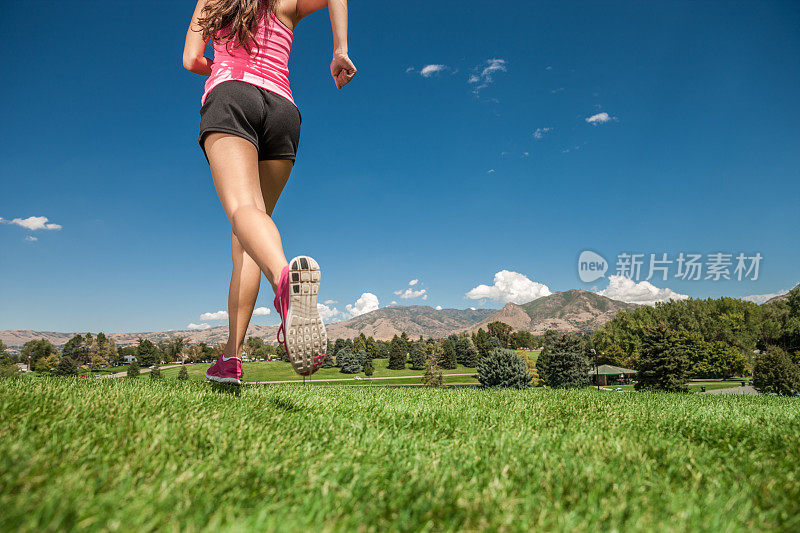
(269, 121)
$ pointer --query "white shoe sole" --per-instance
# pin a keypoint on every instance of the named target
(305, 332)
(223, 380)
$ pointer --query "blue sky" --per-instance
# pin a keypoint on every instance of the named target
(435, 175)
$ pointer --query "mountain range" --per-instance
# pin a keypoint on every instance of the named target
(569, 311)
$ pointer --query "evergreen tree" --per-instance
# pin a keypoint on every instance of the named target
(503, 368)
(397, 354)
(664, 360)
(418, 355)
(146, 352)
(183, 374)
(155, 373)
(448, 359)
(328, 362)
(66, 367)
(361, 357)
(338, 346)
(563, 363)
(359, 344)
(494, 343)
(75, 349)
(348, 362)
(368, 368)
(433, 373)
(372, 348)
(282, 355)
(406, 342)
(133, 369)
(466, 353)
(775, 372)
(501, 330)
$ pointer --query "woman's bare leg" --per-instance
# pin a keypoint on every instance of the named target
(248, 191)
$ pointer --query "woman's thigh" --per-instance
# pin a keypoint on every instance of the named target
(273, 173)
(235, 170)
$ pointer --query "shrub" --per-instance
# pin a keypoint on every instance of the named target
(503, 368)
(183, 374)
(66, 367)
(155, 373)
(133, 369)
(774, 371)
(562, 364)
(368, 368)
(9, 370)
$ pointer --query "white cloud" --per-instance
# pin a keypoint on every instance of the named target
(32, 223)
(411, 293)
(394, 302)
(525, 154)
(409, 69)
(261, 311)
(472, 309)
(429, 70)
(510, 287)
(486, 73)
(31, 238)
(438, 308)
(366, 303)
(219, 315)
(539, 133)
(198, 327)
(330, 302)
(600, 118)
(761, 298)
(413, 282)
(645, 293)
(327, 313)
(490, 171)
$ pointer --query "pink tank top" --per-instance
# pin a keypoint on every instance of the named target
(267, 66)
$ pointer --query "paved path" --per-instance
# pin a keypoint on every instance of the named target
(732, 390)
(342, 379)
(142, 370)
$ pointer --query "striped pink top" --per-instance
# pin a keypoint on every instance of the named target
(267, 66)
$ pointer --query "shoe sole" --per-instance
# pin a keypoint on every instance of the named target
(305, 333)
(224, 380)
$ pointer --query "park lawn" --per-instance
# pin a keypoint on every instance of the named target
(694, 386)
(280, 371)
(141, 454)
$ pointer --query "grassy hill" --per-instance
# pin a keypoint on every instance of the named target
(130, 455)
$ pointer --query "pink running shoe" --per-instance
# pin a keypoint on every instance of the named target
(301, 331)
(226, 370)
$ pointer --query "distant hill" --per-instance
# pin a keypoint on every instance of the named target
(570, 311)
(779, 298)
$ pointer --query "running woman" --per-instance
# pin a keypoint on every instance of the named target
(249, 133)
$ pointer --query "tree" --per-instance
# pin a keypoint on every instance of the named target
(562, 363)
(433, 373)
(65, 367)
(448, 359)
(501, 330)
(418, 356)
(397, 354)
(133, 369)
(372, 348)
(503, 368)
(328, 361)
(664, 360)
(359, 344)
(183, 374)
(716, 360)
(76, 349)
(146, 352)
(282, 353)
(338, 346)
(38, 350)
(775, 372)
(466, 353)
(368, 368)
(348, 362)
(481, 341)
(155, 373)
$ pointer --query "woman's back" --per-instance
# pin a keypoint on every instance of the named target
(265, 65)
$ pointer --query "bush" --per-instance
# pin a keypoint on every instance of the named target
(369, 368)
(183, 374)
(775, 372)
(503, 368)
(562, 364)
(9, 370)
(66, 367)
(133, 369)
(155, 373)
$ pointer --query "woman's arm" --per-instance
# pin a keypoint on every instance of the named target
(342, 69)
(194, 59)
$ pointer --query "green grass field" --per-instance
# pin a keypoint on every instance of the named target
(694, 386)
(125, 454)
(280, 371)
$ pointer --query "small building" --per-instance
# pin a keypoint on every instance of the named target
(609, 374)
